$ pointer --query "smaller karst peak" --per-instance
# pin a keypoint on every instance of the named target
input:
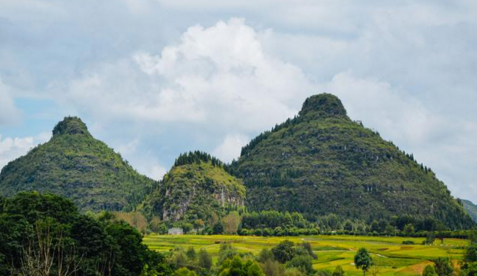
(70, 126)
(323, 105)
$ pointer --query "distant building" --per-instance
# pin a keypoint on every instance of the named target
(175, 231)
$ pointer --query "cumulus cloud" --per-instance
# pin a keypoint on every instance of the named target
(384, 108)
(143, 163)
(230, 147)
(141, 73)
(14, 147)
(218, 76)
(8, 112)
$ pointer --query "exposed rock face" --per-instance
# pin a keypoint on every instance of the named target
(75, 165)
(196, 190)
(321, 162)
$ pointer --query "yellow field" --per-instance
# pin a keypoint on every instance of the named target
(389, 254)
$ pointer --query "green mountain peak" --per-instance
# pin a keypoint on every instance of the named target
(71, 126)
(76, 165)
(323, 163)
(323, 105)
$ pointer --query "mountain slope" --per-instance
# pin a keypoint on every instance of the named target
(197, 187)
(322, 162)
(75, 165)
(471, 208)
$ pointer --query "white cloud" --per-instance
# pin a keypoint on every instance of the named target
(405, 69)
(230, 147)
(8, 112)
(383, 107)
(218, 76)
(155, 172)
(12, 148)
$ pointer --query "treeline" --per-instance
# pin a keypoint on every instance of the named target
(44, 234)
(196, 157)
(274, 223)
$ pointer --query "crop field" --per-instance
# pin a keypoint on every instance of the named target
(391, 257)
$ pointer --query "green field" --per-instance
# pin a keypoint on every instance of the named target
(389, 254)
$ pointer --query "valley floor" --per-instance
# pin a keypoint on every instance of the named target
(389, 254)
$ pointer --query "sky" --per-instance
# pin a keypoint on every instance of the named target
(156, 78)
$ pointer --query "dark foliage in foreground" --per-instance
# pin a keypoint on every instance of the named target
(45, 235)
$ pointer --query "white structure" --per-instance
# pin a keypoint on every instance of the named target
(175, 231)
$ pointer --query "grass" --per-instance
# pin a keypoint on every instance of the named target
(389, 254)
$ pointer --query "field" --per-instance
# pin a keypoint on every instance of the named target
(389, 254)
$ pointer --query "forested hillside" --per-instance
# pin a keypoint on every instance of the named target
(75, 165)
(321, 162)
(471, 208)
(196, 190)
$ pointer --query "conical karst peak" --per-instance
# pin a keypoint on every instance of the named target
(70, 126)
(323, 105)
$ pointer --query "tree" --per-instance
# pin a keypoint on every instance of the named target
(49, 251)
(469, 269)
(191, 254)
(338, 271)
(184, 271)
(236, 267)
(254, 269)
(302, 262)
(430, 238)
(179, 258)
(227, 251)
(429, 271)
(309, 250)
(408, 229)
(43, 234)
(218, 228)
(471, 254)
(284, 251)
(293, 272)
(444, 267)
(272, 268)
(204, 259)
(265, 255)
(231, 223)
(363, 260)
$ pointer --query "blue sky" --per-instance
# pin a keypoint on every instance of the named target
(154, 78)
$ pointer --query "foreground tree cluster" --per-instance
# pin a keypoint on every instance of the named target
(43, 235)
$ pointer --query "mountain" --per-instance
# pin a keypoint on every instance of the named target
(75, 165)
(197, 187)
(321, 162)
(471, 208)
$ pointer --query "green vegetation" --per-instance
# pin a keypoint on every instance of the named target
(363, 260)
(323, 163)
(197, 193)
(429, 271)
(75, 165)
(46, 235)
(390, 256)
(469, 267)
(471, 208)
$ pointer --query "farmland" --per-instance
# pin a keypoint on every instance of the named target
(391, 257)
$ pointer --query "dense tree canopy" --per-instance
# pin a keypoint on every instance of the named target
(46, 235)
